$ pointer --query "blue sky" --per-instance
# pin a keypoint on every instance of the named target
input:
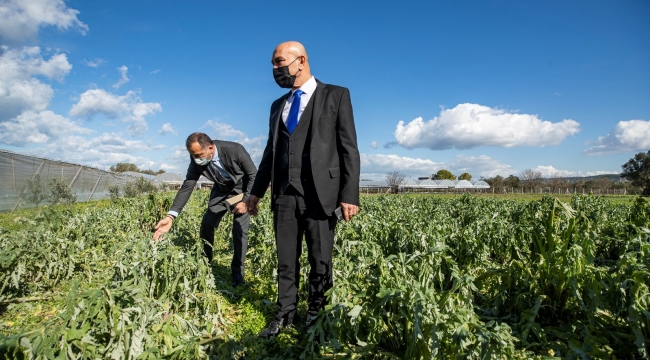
(487, 87)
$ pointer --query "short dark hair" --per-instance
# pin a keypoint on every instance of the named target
(198, 137)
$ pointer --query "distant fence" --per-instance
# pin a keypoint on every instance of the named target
(86, 182)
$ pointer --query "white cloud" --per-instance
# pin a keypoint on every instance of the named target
(101, 151)
(20, 90)
(93, 63)
(37, 127)
(481, 165)
(550, 171)
(167, 129)
(471, 125)
(373, 144)
(21, 19)
(223, 130)
(129, 108)
(375, 166)
(254, 146)
(168, 167)
(626, 136)
(123, 79)
(155, 71)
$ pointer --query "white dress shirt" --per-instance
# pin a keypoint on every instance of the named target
(219, 165)
(308, 89)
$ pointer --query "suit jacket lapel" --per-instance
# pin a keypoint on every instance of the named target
(276, 116)
(319, 100)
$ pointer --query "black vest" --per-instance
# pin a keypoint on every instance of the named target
(292, 163)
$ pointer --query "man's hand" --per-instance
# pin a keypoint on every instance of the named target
(349, 210)
(240, 208)
(251, 204)
(163, 227)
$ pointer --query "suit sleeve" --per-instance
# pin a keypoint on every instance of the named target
(264, 171)
(183, 194)
(248, 167)
(349, 160)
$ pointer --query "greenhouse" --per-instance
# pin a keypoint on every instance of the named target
(17, 171)
(410, 184)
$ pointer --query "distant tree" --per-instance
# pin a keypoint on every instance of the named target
(59, 192)
(154, 173)
(556, 181)
(465, 176)
(511, 182)
(444, 175)
(497, 183)
(394, 179)
(637, 170)
(114, 191)
(124, 167)
(34, 191)
(531, 178)
(138, 187)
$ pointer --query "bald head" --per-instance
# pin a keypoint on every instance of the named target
(293, 55)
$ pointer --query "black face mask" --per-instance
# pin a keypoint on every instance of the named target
(283, 77)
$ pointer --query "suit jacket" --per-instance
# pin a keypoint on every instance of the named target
(333, 155)
(237, 163)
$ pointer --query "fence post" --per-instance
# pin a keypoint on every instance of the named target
(20, 198)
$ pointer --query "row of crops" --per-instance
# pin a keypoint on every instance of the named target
(415, 277)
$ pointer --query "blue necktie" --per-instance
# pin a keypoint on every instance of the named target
(292, 119)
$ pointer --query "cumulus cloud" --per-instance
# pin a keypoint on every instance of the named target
(128, 108)
(101, 151)
(167, 129)
(37, 128)
(626, 136)
(123, 79)
(481, 165)
(375, 166)
(550, 171)
(373, 144)
(223, 131)
(21, 19)
(93, 63)
(20, 90)
(471, 125)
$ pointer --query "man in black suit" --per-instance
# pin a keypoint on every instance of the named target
(231, 169)
(312, 162)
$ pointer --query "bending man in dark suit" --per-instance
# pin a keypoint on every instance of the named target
(231, 169)
(312, 161)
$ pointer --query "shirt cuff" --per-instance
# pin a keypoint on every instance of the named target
(173, 213)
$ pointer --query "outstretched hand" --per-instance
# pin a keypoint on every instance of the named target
(162, 227)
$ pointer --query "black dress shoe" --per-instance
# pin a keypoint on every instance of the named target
(273, 329)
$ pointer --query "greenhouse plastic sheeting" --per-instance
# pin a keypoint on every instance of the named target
(86, 182)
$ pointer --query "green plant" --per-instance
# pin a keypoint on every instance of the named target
(114, 191)
(34, 191)
(139, 186)
(59, 192)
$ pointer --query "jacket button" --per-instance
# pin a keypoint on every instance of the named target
(291, 180)
(291, 166)
(291, 153)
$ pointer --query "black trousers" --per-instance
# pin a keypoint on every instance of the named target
(294, 216)
(211, 220)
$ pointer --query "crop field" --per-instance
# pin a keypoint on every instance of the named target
(416, 277)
